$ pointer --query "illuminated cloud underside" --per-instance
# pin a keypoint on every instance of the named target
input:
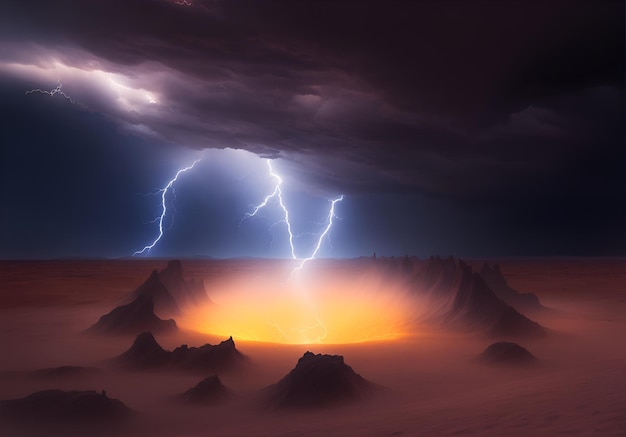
(492, 142)
(225, 110)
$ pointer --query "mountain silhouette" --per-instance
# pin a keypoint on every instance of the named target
(222, 356)
(208, 391)
(524, 302)
(459, 298)
(317, 381)
(146, 353)
(164, 302)
(137, 316)
(510, 323)
(185, 292)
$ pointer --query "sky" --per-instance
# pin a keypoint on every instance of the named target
(466, 128)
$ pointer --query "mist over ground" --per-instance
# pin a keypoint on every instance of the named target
(434, 383)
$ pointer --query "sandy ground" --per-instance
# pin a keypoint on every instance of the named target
(435, 387)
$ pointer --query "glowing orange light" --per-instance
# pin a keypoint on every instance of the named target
(331, 309)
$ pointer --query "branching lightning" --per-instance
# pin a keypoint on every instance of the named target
(314, 333)
(303, 335)
(276, 194)
(318, 324)
(279, 329)
(160, 218)
(52, 92)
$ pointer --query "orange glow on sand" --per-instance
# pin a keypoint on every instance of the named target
(329, 308)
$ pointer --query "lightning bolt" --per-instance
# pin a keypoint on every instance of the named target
(329, 225)
(318, 324)
(52, 92)
(331, 216)
(302, 331)
(160, 218)
(278, 195)
(279, 329)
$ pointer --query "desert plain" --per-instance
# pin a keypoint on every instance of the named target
(431, 381)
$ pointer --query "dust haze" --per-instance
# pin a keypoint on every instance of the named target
(413, 328)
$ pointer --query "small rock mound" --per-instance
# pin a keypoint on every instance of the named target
(208, 391)
(317, 381)
(507, 353)
(64, 408)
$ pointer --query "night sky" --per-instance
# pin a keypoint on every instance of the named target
(475, 129)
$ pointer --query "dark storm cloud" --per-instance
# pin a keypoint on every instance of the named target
(514, 105)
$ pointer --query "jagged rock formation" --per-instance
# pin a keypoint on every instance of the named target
(316, 381)
(137, 316)
(218, 357)
(459, 298)
(524, 302)
(146, 353)
(163, 293)
(511, 324)
(64, 407)
(207, 392)
(507, 353)
(185, 292)
(164, 302)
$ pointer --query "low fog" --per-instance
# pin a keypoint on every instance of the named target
(425, 361)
